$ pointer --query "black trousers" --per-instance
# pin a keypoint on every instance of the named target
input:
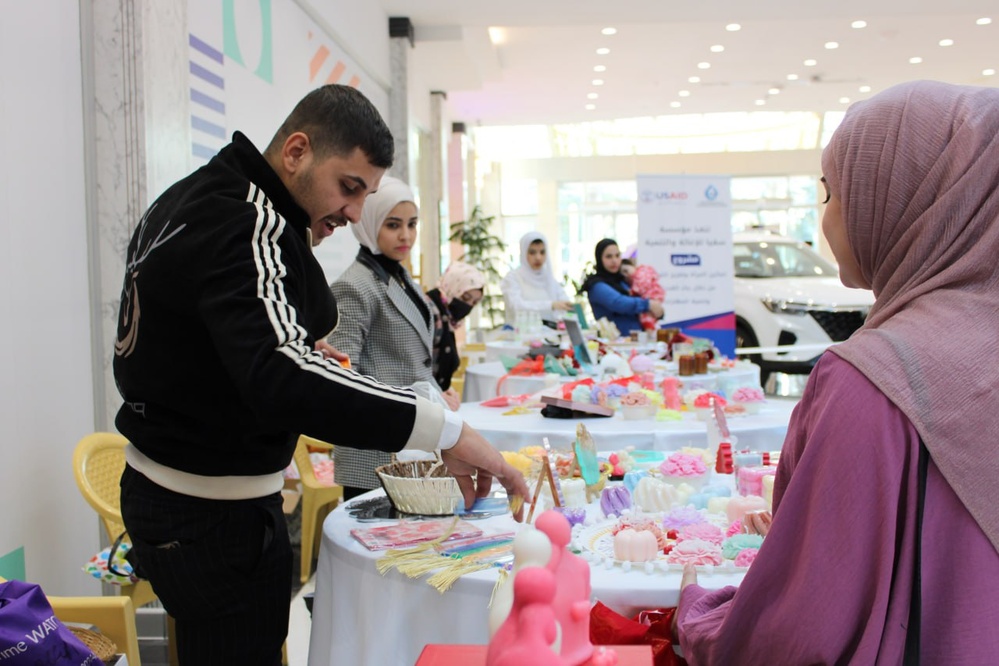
(222, 569)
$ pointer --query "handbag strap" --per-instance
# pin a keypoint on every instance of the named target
(911, 655)
(111, 553)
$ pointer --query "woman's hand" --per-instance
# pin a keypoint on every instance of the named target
(689, 578)
(329, 351)
(656, 309)
(452, 399)
(564, 306)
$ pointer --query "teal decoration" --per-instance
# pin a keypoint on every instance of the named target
(12, 565)
(589, 467)
(230, 39)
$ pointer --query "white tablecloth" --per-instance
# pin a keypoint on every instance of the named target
(481, 380)
(364, 619)
(762, 432)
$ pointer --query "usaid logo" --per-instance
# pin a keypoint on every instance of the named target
(685, 259)
(711, 193)
(652, 196)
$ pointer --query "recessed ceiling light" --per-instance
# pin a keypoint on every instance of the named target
(704, 65)
(600, 68)
(675, 105)
(773, 91)
(597, 82)
(844, 100)
(864, 89)
(603, 50)
(590, 107)
(858, 24)
(985, 20)
(760, 102)
(988, 72)
(717, 48)
(684, 93)
(915, 60)
(592, 96)
(733, 27)
(811, 62)
(693, 79)
(946, 42)
(832, 45)
(609, 31)
(792, 77)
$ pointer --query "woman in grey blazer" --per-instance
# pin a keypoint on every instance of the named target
(385, 324)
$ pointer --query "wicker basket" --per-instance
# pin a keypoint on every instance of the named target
(410, 492)
(99, 644)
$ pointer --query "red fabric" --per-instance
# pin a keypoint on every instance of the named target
(651, 627)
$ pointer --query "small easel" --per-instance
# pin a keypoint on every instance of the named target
(546, 473)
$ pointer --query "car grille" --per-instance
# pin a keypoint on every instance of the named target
(839, 325)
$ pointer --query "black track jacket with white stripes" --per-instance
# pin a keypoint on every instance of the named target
(221, 306)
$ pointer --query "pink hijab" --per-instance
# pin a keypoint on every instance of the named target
(917, 171)
(459, 278)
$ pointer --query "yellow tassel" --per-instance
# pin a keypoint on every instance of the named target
(393, 557)
(449, 575)
(500, 582)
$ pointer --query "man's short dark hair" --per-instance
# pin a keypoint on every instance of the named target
(337, 119)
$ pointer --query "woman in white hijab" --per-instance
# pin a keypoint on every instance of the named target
(531, 287)
(386, 325)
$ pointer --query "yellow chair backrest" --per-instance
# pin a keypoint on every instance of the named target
(304, 463)
(98, 462)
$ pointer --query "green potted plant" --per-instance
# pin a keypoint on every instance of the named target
(483, 250)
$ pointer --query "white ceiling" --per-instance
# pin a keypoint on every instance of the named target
(543, 71)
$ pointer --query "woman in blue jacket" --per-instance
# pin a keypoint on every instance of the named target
(610, 295)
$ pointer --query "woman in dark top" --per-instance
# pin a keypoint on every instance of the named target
(459, 290)
(610, 295)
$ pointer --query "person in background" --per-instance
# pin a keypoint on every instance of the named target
(460, 289)
(222, 306)
(532, 287)
(610, 295)
(644, 282)
(386, 327)
(884, 545)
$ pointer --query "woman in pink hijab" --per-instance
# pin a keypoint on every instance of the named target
(460, 289)
(883, 547)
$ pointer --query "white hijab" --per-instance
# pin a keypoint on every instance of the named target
(541, 280)
(376, 208)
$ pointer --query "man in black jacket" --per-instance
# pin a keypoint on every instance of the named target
(216, 358)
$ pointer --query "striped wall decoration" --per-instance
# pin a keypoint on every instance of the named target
(208, 127)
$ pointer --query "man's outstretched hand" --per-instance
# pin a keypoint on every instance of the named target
(475, 463)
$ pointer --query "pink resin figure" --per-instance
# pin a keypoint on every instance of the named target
(572, 595)
(671, 393)
(527, 635)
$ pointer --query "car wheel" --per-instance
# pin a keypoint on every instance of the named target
(744, 337)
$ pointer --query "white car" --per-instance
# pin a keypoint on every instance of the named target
(788, 294)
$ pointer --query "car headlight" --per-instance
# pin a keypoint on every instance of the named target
(779, 306)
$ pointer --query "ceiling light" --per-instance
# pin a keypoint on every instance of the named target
(603, 50)
(760, 102)
(497, 35)
(946, 42)
(704, 65)
(915, 60)
(988, 72)
(694, 79)
(811, 62)
(600, 68)
(864, 89)
(674, 105)
(858, 24)
(773, 91)
(717, 48)
(608, 31)
(792, 77)
(844, 100)
(590, 107)
(597, 82)
(832, 45)
(983, 21)
(684, 93)
(592, 96)
(735, 27)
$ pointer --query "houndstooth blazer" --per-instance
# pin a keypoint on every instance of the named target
(387, 337)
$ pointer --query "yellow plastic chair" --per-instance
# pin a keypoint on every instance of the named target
(98, 462)
(458, 378)
(114, 616)
(317, 501)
